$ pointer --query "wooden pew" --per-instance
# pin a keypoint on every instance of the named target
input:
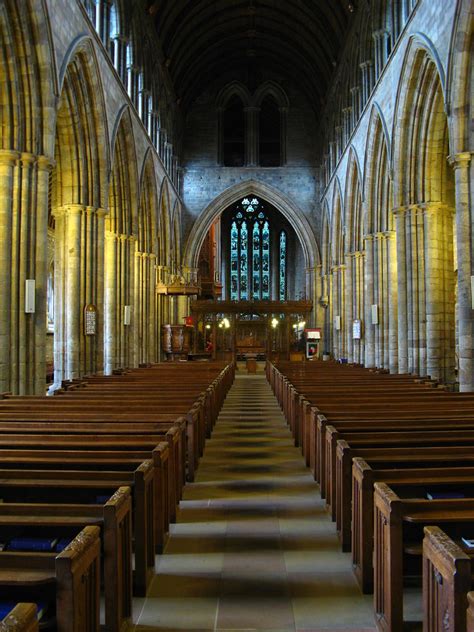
(363, 478)
(22, 618)
(71, 578)
(447, 578)
(393, 516)
(60, 486)
(114, 519)
(390, 458)
(470, 612)
(337, 472)
(89, 460)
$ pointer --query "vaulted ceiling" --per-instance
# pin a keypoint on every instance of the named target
(213, 40)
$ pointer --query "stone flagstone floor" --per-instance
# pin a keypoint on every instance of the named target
(253, 548)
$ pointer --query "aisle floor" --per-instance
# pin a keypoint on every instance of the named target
(253, 548)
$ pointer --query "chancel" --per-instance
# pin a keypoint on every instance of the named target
(236, 315)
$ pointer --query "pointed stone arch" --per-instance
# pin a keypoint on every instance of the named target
(337, 296)
(459, 91)
(380, 248)
(164, 225)
(424, 201)
(281, 202)
(146, 257)
(354, 256)
(78, 200)
(27, 102)
(121, 248)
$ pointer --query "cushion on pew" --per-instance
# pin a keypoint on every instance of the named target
(26, 543)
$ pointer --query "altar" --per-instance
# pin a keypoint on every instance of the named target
(238, 330)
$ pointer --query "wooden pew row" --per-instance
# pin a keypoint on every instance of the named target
(70, 579)
(435, 474)
(114, 520)
(447, 578)
(410, 422)
(398, 533)
(59, 486)
(391, 458)
(216, 401)
(82, 460)
(22, 618)
(339, 454)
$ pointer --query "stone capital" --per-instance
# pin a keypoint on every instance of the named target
(9, 157)
(368, 238)
(27, 159)
(74, 209)
(380, 33)
(365, 64)
(461, 160)
(436, 207)
(354, 89)
(399, 210)
(45, 163)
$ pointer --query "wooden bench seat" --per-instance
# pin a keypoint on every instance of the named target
(336, 467)
(448, 568)
(22, 618)
(41, 486)
(448, 476)
(93, 460)
(114, 520)
(70, 579)
(398, 521)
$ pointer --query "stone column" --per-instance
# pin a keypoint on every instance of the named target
(140, 306)
(392, 302)
(461, 164)
(402, 288)
(311, 293)
(439, 297)
(381, 42)
(347, 126)
(252, 136)
(349, 304)
(110, 302)
(72, 306)
(283, 134)
(332, 157)
(44, 165)
(339, 143)
(8, 160)
(367, 79)
(369, 299)
(356, 107)
(359, 305)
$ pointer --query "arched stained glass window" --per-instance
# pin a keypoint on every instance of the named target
(266, 261)
(244, 261)
(282, 266)
(250, 255)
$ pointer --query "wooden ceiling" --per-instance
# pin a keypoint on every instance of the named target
(216, 41)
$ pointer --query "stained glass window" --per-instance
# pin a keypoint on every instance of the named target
(234, 262)
(244, 262)
(265, 261)
(282, 264)
(250, 253)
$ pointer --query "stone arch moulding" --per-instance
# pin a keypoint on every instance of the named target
(418, 47)
(460, 79)
(84, 47)
(287, 208)
(376, 115)
(353, 159)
